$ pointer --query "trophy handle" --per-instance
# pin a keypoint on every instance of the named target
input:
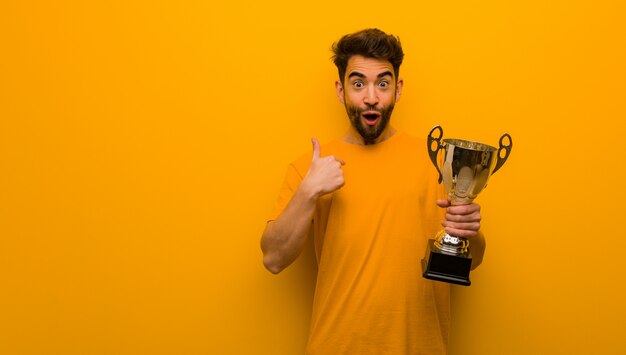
(506, 148)
(433, 152)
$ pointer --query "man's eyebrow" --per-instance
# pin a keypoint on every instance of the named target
(362, 76)
(357, 74)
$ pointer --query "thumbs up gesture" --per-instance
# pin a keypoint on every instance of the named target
(325, 174)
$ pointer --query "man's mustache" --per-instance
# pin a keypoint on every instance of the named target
(368, 108)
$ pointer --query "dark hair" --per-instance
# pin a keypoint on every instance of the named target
(370, 43)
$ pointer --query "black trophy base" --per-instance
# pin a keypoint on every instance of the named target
(440, 266)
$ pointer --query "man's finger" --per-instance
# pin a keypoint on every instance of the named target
(443, 203)
(474, 217)
(463, 233)
(316, 148)
(464, 209)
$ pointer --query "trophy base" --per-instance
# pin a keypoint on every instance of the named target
(441, 266)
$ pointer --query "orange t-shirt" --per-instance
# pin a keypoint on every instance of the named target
(369, 238)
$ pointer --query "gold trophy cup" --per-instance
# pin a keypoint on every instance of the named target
(464, 167)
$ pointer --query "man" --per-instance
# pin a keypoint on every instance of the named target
(370, 198)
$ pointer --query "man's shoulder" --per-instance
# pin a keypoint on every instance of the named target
(303, 161)
(402, 140)
(410, 149)
(406, 139)
(406, 136)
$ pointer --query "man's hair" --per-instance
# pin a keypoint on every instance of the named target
(370, 43)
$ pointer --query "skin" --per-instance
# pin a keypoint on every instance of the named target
(369, 88)
(368, 83)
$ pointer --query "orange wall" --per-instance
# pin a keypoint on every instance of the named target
(142, 145)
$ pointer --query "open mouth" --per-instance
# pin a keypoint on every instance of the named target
(370, 117)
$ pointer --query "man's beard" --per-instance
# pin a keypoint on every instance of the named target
(369, 133)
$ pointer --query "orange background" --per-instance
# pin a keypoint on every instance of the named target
(143, 143)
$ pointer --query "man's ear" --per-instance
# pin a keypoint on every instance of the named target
(340, 94)
(399, 88)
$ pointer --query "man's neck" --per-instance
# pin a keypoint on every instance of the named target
(353, 137)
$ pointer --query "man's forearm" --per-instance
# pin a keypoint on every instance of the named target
(477, 249)
(283, 239)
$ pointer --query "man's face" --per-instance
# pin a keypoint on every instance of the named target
(369, 93)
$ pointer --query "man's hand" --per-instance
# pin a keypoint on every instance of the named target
(464, 221)
(283, 239)
(324, 175)
(461, 220)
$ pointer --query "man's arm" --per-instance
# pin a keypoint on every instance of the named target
(283, 239)
(464, 221)
(477, 249)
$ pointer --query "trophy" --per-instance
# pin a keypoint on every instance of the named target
(464, 167)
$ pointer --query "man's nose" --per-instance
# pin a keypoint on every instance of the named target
(371, 96)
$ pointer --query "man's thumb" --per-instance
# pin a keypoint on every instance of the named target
(316, 148)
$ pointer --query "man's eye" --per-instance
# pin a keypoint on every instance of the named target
(358, 84)
(383, 84)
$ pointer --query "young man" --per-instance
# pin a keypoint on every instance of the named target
(371, 199)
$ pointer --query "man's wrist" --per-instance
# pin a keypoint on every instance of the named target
(308, 192)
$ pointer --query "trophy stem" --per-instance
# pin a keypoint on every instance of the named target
(450, 244)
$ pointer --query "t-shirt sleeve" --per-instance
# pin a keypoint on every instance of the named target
(290, 185)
